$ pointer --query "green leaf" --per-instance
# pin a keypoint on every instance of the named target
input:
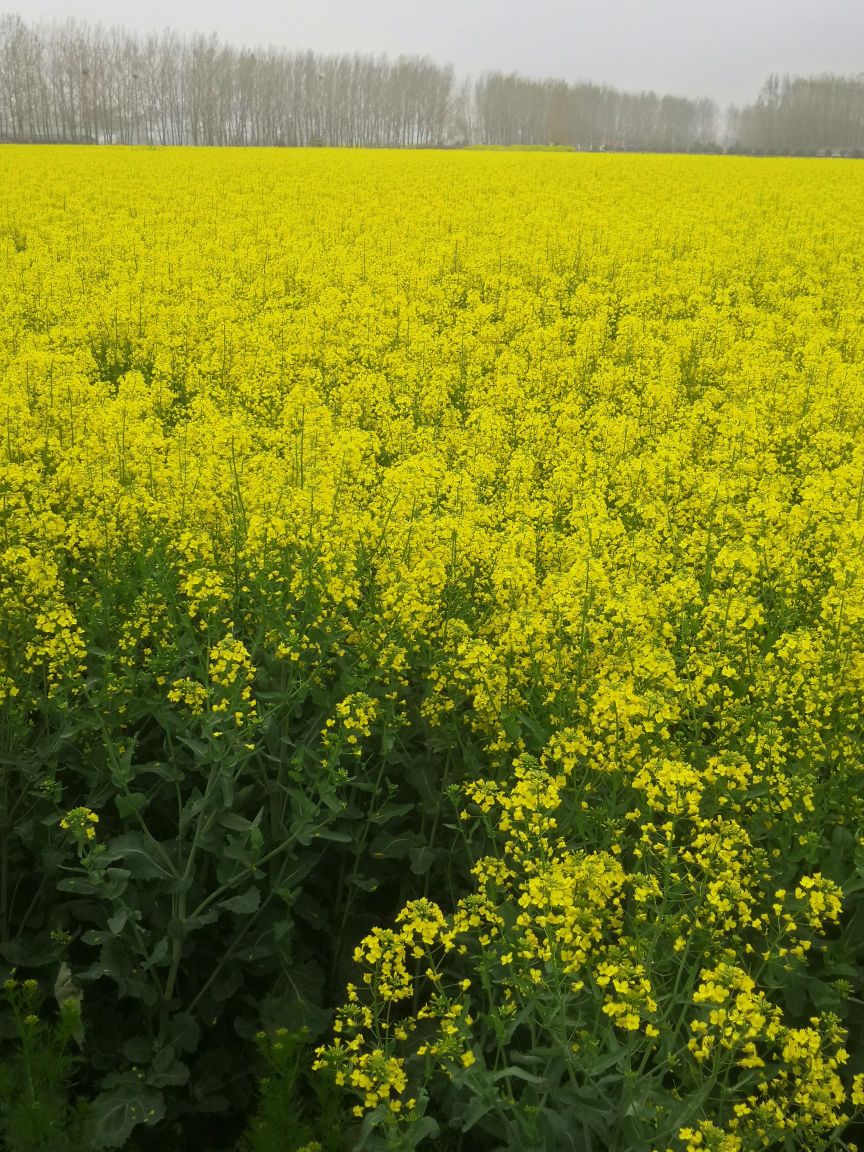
(200, 750)
(478, 1105)
(93, 885)
(243, 904)
(193, 923)
(390, 812)
(157, 956)
(236, 822)
(167, 1070)
(365, 883)
(117, 921)
(517, 1074)
(131, 803)
(421, 859)
(115, 1113)
(33, 953)
(140, 855)
(385, 847)
(168, 772)
(114, 961)
(138, 1049)
(338, 837)
(425, 782)
(184, 1032)
(226, 985)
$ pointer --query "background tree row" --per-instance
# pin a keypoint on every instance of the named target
(80, 83)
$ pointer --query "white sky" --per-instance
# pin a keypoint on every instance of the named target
(719, 48)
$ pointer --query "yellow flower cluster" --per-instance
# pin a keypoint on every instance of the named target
(550, 925)
(81, 822)
(803, 1092)
(352, 724)
(227, 687)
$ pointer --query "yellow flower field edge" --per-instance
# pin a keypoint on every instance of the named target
(431, 643)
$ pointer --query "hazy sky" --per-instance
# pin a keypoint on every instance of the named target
(719, 48)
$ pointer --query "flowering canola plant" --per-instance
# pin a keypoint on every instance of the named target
(561, 457)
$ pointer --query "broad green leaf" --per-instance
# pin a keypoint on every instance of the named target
(138, 1049)
(116, 1113)
(166, 1070)
(129, 804)
(243, 904)
(390, 812)
(422, 859)
(118, 920)
(140, 855)
(184, 1032)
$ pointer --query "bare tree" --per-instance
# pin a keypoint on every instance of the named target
(802, 115)
(513, 110)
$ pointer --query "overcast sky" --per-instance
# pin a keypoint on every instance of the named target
(719, 48)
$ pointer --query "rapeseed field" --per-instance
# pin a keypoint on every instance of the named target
(432, 641)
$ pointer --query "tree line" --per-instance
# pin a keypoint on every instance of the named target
(802, 115)
(81, 83)
(509, 109)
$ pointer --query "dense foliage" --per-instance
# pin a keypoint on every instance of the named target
(432, 602)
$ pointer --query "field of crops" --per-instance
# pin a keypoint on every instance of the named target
(431, 651)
